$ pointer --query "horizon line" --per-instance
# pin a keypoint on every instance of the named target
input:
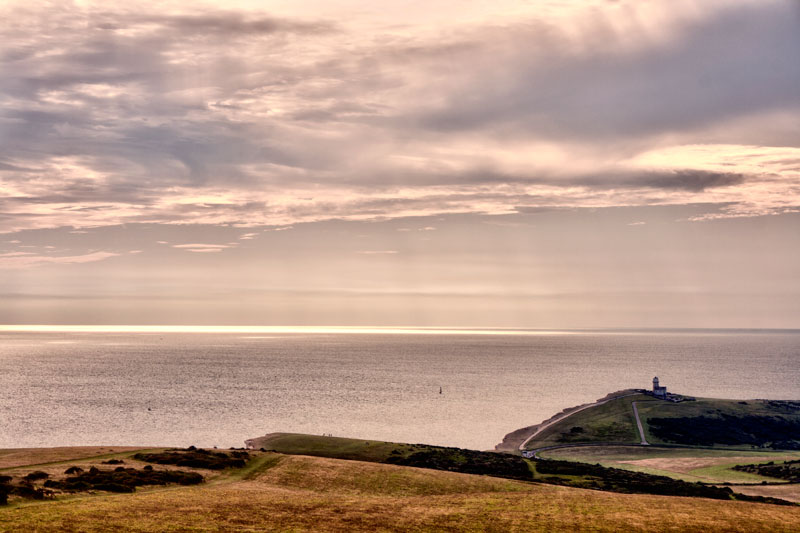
(427, 330)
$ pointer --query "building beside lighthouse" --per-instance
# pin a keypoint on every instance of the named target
(659, 391)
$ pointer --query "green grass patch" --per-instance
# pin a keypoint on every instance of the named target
(612, 421)
(787, 470)
(709, 464)
(336, 447)
(740, 424)
(726, 474)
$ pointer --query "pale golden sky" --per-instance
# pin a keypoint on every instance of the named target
(538, 164)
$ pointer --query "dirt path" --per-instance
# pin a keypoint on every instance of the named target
(17, 457)
(639, 425)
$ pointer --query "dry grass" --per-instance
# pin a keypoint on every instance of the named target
(15, 457)
(328, 475)
(631, 453)
(689, 464)
(685, 465)
(327, 495)
(790, 492)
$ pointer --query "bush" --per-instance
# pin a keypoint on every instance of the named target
(195, 458)
(467, 462)
(776, 431)
(114, 487)
(26, 490)
(125, 479)
(788, 470)
(37, 475)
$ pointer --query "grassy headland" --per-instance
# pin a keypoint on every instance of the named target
(698, 422)
(700, 439)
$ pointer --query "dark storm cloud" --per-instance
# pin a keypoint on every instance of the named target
(686, 180)
(223, 24)
(681, 179)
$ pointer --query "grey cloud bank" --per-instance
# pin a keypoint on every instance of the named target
(141, 116)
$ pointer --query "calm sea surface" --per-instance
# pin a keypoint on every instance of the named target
(177, 389)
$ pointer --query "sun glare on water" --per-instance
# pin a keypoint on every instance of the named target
(273, 329)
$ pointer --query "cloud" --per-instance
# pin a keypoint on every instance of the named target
(238, 117)
(279, 228)
(378, 252)
(229, 24)
(203, 248)
(17, 260)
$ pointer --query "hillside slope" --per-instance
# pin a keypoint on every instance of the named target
(301, 493)
(698, 422)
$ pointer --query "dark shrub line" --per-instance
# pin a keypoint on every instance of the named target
(775, 432)
(122, 479)
(788, 470)
(567, 473)
(196, 458)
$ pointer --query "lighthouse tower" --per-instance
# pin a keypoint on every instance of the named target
(658, 391)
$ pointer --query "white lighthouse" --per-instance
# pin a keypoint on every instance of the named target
(658, 391)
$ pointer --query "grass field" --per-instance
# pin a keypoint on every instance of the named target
(300, 493)
(612, 421)
(687, 464)
(334, 447)
(11, 458)
(712, 408)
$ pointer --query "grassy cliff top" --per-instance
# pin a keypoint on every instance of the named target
(697, 422)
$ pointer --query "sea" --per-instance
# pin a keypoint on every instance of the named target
(452, 388)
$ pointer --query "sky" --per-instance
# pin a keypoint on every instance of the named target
(447, 163)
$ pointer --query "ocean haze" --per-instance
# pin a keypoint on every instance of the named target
(217, 389)
(631, 267)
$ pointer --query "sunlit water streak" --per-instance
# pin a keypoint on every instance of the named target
(161, 387)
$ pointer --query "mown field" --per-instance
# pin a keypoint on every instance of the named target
(712, 466)
(276, 492)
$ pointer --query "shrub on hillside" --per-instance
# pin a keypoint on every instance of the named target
(37, 475)
(196, 458)
(123, 479)
(788, 470)
(772, 431)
